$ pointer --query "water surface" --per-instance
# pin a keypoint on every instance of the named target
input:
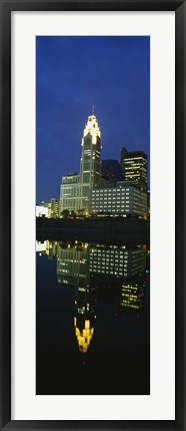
(92, 319)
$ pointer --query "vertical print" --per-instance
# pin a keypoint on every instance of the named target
(93, 215)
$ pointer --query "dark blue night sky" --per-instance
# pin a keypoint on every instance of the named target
(74, 73)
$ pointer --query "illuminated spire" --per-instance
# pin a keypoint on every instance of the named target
(92, 128)
(93, 110)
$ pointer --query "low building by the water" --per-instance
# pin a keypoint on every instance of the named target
(120, 198)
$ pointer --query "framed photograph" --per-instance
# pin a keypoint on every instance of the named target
(92, 214)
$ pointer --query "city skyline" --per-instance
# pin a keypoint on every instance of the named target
(62, 114)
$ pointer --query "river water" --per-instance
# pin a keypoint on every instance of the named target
(92, 318)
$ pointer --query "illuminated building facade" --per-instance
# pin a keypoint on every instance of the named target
(120, 199)
(134, 167)
(70, 192)
(41, 211)
(55, 208)
(90, 165)
(75, 189)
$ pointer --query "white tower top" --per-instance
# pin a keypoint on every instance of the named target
(92, 127)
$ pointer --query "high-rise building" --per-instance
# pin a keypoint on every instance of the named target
(90, 165)
(111, 170)
(134, 167)
(75, 189)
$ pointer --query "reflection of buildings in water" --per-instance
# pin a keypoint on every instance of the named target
(132, 293)
(71, 263)
(84, 334)
(84, 309)
(107, 288)
(125, 267)
(118, 261)
(84, 330)
(72, 269)
(53, 249)
(40, 247)
(107, 274)
(84, 313)
(47, 247)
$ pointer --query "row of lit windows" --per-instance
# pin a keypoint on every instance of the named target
(138, 160)
(110, 204)
(108, 198)
(107, 271)
(110, 191)
(116, 208)
(103, 262)
(109, 259)
(98, 251)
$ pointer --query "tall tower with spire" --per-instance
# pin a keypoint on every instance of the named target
(90, 165)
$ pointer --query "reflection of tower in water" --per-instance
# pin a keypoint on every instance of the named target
(72, 269)
(84, 309)
(110, 274)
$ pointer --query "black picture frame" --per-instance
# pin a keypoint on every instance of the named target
(6, 7)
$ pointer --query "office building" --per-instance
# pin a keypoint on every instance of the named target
(75, 189)
(90, 165)
(55, 208)
(121, 199)
(134, 167)
(70, 192)
(111, 170)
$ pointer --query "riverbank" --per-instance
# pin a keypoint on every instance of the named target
(111, 230)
